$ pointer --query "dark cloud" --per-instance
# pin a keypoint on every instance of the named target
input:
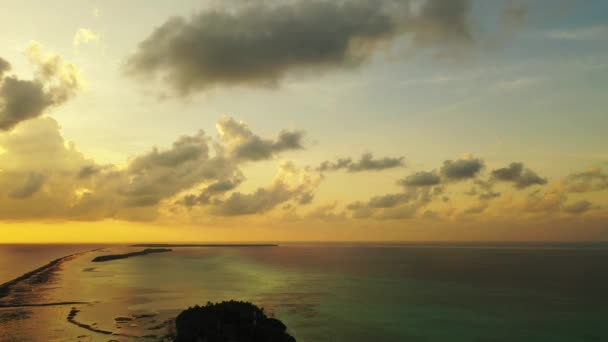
(365, 163)
(389, 201)
(461, 169)
(260, 201)
(160, 174)
(476, 209)
(259, 43)
(4, 67)
(394, 206)
(489, 195)
(21, 100)
(421, 178)
(578, 207)
(88, 171)
(217, 188)
(55, 82)
(593, 179)
(242, 144)
(32, 184)
(220, 199)
(518, 175)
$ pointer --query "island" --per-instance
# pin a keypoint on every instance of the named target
(229, 321)
(146, 251)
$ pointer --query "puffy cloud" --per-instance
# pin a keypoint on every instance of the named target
(265, 199)
(578, 207)
(518, 175)
(593, 179)
(395, 206)
(461, 169)
(32, 184)
(544, 202)
(365, 163)
(421, 178)
(35, 156)
(160, 174)
(389, 201)
(213, 189)
(260, 42)
(88, 171)
(4, 66)
(241, 143)
(478, 208)
(54, 83)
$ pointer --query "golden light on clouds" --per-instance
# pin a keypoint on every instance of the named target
(368, 147)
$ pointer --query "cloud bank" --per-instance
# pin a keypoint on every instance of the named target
(259, 43)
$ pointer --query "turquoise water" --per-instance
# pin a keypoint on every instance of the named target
(344, 292)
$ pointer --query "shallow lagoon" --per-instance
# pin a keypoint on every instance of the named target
(335, 292)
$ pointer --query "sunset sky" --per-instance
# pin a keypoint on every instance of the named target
(392, 120)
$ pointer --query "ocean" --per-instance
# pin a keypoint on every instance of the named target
(322, 292)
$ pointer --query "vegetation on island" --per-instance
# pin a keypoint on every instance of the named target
(129, 255)
(231, 321)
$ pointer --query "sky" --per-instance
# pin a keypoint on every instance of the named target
(348, 120)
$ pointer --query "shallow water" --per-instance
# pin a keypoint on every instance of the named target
(336, 292)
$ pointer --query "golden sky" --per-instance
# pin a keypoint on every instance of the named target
(344, 120)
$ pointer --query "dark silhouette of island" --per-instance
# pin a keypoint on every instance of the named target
(146, 251)
(229, 322)
(154, 245)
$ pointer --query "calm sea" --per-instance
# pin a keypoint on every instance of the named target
(329, 292)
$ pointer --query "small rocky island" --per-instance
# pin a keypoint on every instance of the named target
(146, 251)
(227, 322)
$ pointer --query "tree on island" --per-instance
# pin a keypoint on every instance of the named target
(231, 321)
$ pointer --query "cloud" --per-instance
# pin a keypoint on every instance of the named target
(265, 199)
(35, 156)
(421, 178)
(476, 209)
(257, 44)
(88, 171)
(461, 169)
(517, 174)
(578, 207)
(394, 206)
(544, 202)
(84, 36)
(241, 143)
(160, 174)
(593, 179)
(32, 184)
(489, 195)
(55, 82)
(4, 67)
(598, 32)
(365, 163)
(213, 189)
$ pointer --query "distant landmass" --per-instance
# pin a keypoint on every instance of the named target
(146, 251)
(206, 245)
